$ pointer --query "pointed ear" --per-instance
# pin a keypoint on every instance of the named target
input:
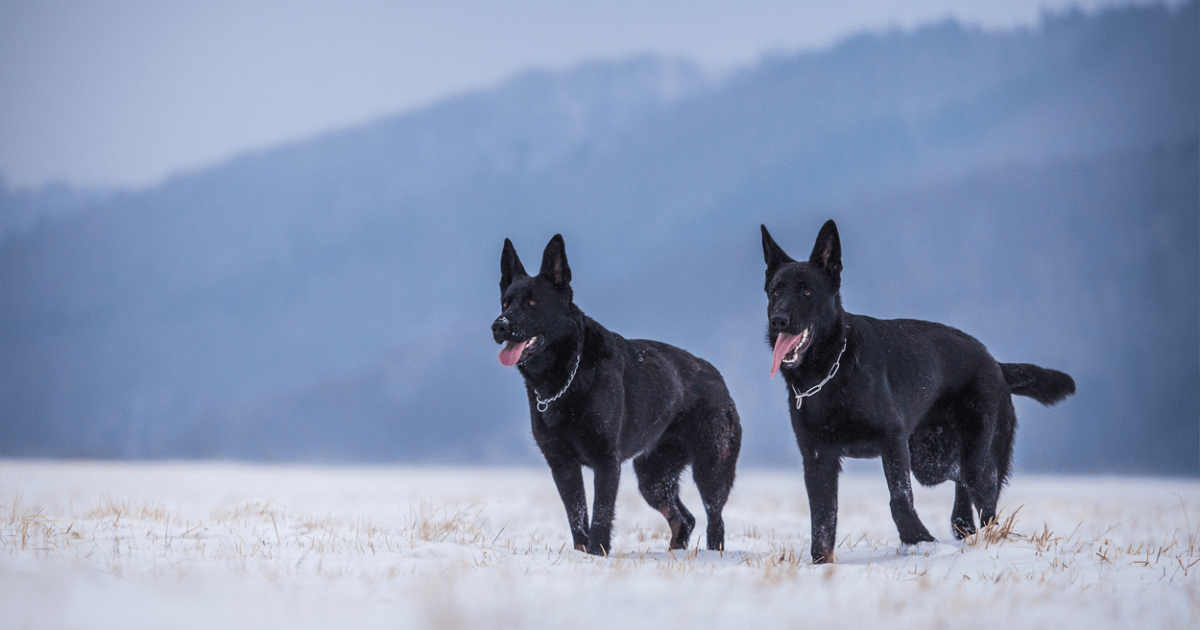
(554, 263)
(827, 252)
(510, 266)
(773, 254)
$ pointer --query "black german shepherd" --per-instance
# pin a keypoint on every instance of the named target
(925, 397)
(597, 399)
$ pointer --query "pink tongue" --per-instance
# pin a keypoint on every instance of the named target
(784, 344)
(512, 353)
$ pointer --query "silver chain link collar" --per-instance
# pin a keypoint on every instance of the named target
(543, 405)
(816, 388)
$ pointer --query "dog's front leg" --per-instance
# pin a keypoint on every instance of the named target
(568, 476)
(607, 478)
(898, 470)
(821, 469)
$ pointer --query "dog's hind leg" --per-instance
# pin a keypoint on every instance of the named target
(897, 468)
(987, 428)
(714, 471)
(980, 476)
(689, 521)
(936, 450)
(982, 483)
(714, 480)
(658, 480)
(962, 519)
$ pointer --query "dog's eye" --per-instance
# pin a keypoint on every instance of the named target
(504, 304)
(533, 302)
(775, 293)
(807, 293)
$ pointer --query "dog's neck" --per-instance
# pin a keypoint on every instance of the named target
(547, 380)
(825, 351)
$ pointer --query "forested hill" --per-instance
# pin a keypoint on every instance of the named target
(330, 300)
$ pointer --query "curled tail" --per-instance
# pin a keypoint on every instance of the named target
(1043, 385)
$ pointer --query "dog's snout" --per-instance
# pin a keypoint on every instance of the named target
(779, 321)
(499, 328)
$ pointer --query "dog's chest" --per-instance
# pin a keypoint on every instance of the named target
(581, 429)
(851, 436)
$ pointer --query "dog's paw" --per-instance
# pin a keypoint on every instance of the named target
(962, 528)
(916, 537)
(597, 549)
(926, 549)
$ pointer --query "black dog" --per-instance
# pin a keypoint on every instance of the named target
(923, 396)
(597, 399)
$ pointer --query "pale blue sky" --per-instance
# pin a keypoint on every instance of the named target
(126, 92)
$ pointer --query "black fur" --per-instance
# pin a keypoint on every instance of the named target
(630, 398)
(925, 397)
(1048, 387)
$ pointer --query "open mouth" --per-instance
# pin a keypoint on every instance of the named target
(789, 349)
(514, 350)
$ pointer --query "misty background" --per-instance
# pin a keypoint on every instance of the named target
(329, 299)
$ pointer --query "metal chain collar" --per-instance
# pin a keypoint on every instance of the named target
(816, 388)
(543, 405)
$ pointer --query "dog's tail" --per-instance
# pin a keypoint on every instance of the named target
(1041, 384)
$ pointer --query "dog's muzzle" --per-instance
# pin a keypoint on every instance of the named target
(500, 329)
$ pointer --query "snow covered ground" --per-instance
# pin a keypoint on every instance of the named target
(214, 545)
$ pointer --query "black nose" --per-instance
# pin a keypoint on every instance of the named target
(779, 321)
(499, 328)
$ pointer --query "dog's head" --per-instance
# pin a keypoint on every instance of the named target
(803, 297)
(535, 311)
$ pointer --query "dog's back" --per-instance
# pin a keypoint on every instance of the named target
(919, 361)
(927, 361)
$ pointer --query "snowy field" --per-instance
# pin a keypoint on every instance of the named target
(214, 545)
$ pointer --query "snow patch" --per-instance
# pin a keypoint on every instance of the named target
(196, 546)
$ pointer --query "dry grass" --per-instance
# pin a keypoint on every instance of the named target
(118, 529)
(432, 552)
(461, 526)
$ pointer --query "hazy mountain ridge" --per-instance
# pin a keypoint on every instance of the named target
(330, 299)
